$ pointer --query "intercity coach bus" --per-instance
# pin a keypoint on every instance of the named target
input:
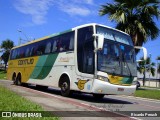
(90, 58)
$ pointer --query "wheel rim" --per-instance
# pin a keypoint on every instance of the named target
(64, 86)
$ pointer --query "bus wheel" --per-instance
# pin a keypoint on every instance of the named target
(14, 79)
(65, 87)
(18, 80)
(98, 96)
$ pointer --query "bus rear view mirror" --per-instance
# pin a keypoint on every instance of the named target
(98, 44)
(144, 51)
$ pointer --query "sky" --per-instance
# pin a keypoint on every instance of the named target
(39, 18)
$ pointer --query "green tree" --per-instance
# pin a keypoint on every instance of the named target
(146, 66)
(134, 17)
(6, 46)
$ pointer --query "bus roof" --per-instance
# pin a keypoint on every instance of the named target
(57, 34)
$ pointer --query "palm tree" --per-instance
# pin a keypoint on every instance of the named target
(146, 66)
(134, 17)
(6, 46)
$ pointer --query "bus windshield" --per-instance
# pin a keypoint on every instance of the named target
(117, 56)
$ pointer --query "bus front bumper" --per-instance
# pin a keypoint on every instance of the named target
(102, 87)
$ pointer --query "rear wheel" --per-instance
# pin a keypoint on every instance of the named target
(98, 96)
(14, 79)
(18, 80)
(65, 86)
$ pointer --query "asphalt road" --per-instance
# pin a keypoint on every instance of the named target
(84, 105)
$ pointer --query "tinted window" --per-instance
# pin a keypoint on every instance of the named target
(61, 43)
(85, 48)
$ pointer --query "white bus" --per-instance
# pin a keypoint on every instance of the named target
(90, 58)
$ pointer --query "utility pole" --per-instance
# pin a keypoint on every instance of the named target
(20, 39)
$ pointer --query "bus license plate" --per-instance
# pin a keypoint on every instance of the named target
(120, 89)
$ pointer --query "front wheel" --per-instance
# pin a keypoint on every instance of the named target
(98, 96)
(65, 87)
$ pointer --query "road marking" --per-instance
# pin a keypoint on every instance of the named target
(135, 98)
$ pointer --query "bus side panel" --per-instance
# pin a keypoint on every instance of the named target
(49, 71)
(23, 66)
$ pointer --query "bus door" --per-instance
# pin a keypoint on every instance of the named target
(85, 59)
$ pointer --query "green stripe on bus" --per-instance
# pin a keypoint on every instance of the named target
(45, 68)
(38, 68)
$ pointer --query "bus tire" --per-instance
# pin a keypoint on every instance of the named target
(98, 96)
(65, 86)
(18, 80)
(14, 78)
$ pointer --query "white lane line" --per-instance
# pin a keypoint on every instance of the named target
(140, 98)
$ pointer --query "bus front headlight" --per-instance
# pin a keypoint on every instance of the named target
(102, 78)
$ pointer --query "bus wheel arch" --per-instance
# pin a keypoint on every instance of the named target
(64, 84)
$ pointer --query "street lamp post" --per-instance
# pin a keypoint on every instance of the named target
(27, 39)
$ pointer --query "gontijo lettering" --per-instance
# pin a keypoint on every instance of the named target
(26, 61)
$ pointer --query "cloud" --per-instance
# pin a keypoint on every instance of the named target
(37, 9)
(75, 7)
(75, 10)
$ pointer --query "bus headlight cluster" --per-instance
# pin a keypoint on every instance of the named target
(102, 78)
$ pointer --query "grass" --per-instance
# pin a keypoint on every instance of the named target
(146, 93)
(3, 74)
(10, 101)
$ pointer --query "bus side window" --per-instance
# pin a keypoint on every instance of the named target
(31, 52)
(27, 52)
(39, 49)
(59, 45)
(71, 44)
(17, 55)
(48, 48)
(12, 54)
(21, 53)
(54, 48)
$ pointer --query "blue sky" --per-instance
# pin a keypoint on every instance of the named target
(39, 18)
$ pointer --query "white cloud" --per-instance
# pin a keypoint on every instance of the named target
(37, 9)
(75, 10)
(90, 2)
(75, 7)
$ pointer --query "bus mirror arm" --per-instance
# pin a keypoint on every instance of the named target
(98, 43)
(144, 51)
